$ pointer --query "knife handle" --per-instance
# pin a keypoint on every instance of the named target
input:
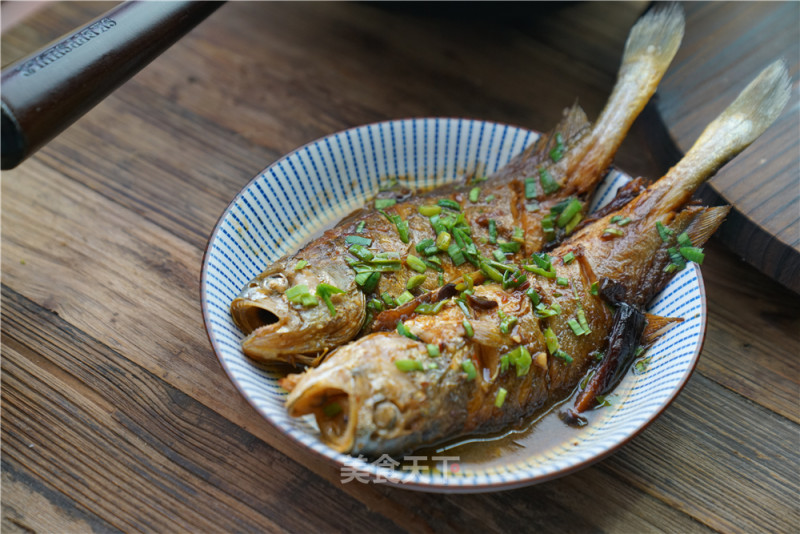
(44, 93)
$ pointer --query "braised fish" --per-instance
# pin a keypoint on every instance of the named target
(491, 355)
(321, 297)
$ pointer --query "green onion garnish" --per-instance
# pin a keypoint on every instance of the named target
(551, 340)
(538, 270)
(360, 227)
(429, 211)
(324, 291)
(558, 151)
(403, 330)
(595, 288)
(416, 281)
(561, 355)
(501, 397)
(332, 409)
(430, 309)
(504, 362)
(568, 258)
(402, 228)
(383, 203)
(499, 255)
(615, 219)
(507, 322)
(573, 223)
(474, 194)
(572, 209)
(468, 330)
(664, 232)
(523, 361)
(361, 252)
(684, 240)
(533, 295)
(294, 293)
(368, 281)
(415, 263)
(490, 271)
(433, 350)
(357, 240)
(510, 247)
(462, 305)
(404, 297)
(456, 254)
(613, 232)
(425, 243)
(561, 281)
(443, 241)
(518, 235)
(450, 204)
(530, 188)
(300, 265)
(388, 299)
(468, 367)
(623, 221)
(489, 198)
(375, 305)
(549, 185)
(583, 322)
(492, 231)
(576, 327)
(408, 365)
(694, 254)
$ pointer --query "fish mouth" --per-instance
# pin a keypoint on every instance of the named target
(251, 315)
(332, 407)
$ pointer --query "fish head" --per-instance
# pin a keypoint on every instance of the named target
(282, 330)
(363, 403)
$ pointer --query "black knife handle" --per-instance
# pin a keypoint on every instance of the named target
(47, 91)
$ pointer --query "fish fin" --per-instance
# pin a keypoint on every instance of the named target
(656, 327)
(706, 223)
(658, 34)
(755, 109)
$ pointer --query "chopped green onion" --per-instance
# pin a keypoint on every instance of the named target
(543, 311)
(388, 299)
(492, 231)
(573, 223)
(561, 281)
(572, 209)
(404, 297)
(430, 309)
(383, 203)
(408, 365)
(357, 240)
(499, 255)
(568, 258)
(533, 295)
(613, 232)
(523, 361)
(507, 323)
(532, 205)
(450, 204)
(474, 194)
(489, 198)
(425, 243)
(416, 281)
(595, 288)
(510, 247)
(624, 221)
(530, 188)
(558, 151)
(415, 263)
(602, 400)
(429, 211)
(433, 350)
(501, 397)
(308, 300)
(456, 254)
(360, 227)
(375, 305)
(576, 327)
(294, 293)
(332, 409)
(402, 229)
(443, 241)
(468, 330)
(468, 280)
(551, 340)
(468, 367)
(538, 270)
(561, 355)
(434, 263)
(324, 291)
(549, 185)
(462, 305)
(404, 331)
(518, 235)
(504, 362)
(361, 252)
(684, 240)
(300, 265)
(694, 254)
(583, 322)
(615, 219)
(555, 306)
(368, 281)
(430, 251)
(664, 231)
(490, 271)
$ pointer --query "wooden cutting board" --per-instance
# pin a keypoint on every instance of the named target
(726, 45)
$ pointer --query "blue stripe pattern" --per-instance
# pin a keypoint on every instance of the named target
(316, 185)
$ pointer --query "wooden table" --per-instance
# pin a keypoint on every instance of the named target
(116, 414)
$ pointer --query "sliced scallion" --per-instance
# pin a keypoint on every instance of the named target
(530, 188)
(324, 291)
(549, 184)
(383, 203)
(501, 397)
(403, 330)
(568, 258)
(416, 281)
(416, 264)
(468, 367)
(433, 350)
(300, 264)
(408, 365)
(474, 194)
(404, 297)
(360, 227)
(357, 240)
(468, 330)
(449, 204)
(443, 240)
(429, 211)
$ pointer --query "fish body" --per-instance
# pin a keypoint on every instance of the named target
(411, 246)
(479, 368)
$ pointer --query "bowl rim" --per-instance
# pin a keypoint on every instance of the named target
(432, 486)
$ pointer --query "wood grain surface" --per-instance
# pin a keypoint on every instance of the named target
(116, 415)
(727, 45)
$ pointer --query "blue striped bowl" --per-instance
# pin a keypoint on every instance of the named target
(310, 189)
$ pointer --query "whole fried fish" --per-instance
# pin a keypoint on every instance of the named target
(318, 298)
(478, 368)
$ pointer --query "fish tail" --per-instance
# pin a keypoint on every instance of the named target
(651, 45)
(755, 109)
